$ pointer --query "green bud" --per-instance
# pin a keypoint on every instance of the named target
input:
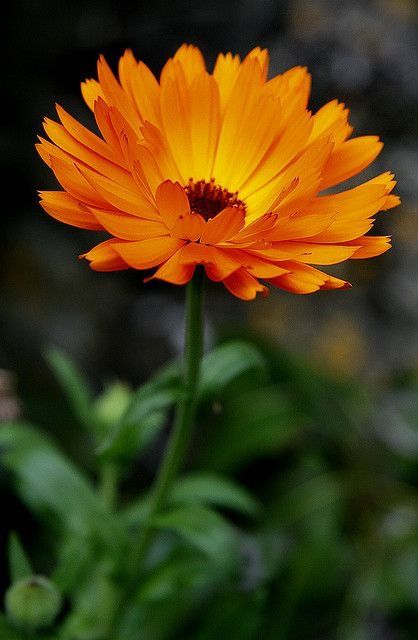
(33, 603)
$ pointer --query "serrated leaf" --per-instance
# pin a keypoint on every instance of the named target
(212, 489)
(19, 564)
(75, 386)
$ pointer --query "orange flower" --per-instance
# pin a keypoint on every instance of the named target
(226, 169)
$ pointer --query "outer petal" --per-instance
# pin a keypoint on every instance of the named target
(218, 265)
(191, 60)
(116, 195)
(145, 254)
(244, 286)
(174, 271)
(308, 252)
(331, 119)
(91, 91)
(103, 257)
(370, 246)
(303, 278)
(350, 158)
(63, 207)
(128, 227)
(225, 73)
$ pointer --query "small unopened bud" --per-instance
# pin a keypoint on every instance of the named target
(33, 603)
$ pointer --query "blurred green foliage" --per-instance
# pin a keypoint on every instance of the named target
(296, 515)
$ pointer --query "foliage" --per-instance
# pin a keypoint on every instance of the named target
(296, 515)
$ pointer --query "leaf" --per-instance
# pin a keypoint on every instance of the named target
(252, 425)
(226, 363)
(141, 422)
(74, 385)
(47, 481)
(19, 565)
(8, 632)
(204, 529)
(74, 561)
(93, 607)
(178, 575)
(212, 489)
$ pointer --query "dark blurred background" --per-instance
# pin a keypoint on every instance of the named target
(362, 51)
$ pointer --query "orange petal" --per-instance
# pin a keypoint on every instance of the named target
(223, 226)
(225, 73)
(255, 265)
(129, 227)
(78, 151)
(146, 93)
(91, 91)
(188, 227)
(303, 278)
(191, 60)
(63, 207)
(172, 202)
(85, 136)
(310, 253)
(234, 132)
(242, 285)
(103, 257)
(118, 196)
(350, 158)
(331, 119)
(75, 183)
(218, 264)
(370, 246)
(115, 95)
(174, 271)
(205, 124)
(175, 115)
(145, 254)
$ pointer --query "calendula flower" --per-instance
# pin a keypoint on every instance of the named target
(227, 169)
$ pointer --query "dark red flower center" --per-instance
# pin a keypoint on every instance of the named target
(208, 199)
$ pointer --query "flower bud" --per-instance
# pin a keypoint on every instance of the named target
(33, 603)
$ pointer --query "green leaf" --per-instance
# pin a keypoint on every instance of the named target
(226, 363)
(19, 565)
(141, 422)
(47, 481)
(212, 489)
(8, 632)
(252, 425)
(178, 575)
(93, 607)
(74, 385)
(205, 530)
(74, 561)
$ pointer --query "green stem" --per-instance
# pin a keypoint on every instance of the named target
(185, 411)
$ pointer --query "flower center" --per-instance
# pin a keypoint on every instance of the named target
(208, 199)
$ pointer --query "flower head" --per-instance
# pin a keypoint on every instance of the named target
(225, 169)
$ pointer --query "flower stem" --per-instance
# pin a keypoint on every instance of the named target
(185, 411)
